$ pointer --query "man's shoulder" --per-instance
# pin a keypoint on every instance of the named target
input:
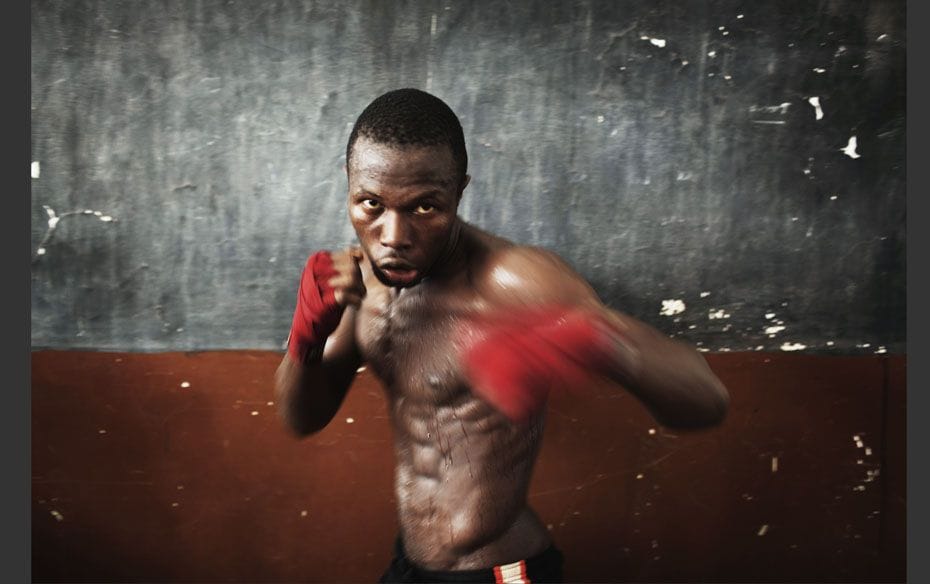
(510, 273)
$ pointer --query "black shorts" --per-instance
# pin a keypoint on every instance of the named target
(545, 566)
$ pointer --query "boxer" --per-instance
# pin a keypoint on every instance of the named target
(469, 333)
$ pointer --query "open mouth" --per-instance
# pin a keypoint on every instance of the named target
(399, 274)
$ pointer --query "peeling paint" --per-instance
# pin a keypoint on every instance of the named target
(850, 149)
(54, 219)
(818, 111)
(793, 347)
(714, 314)
(657, 42)
(34, 169)
(672, 307)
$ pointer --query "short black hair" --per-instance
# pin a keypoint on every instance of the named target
(409, 116)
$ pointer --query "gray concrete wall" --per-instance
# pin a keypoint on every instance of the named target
(668, 150)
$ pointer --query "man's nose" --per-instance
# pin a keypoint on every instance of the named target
(395, 233)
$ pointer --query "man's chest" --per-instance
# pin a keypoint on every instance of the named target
(411, 341)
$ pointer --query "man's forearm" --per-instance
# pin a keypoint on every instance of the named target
(670, 377)
(309, 394)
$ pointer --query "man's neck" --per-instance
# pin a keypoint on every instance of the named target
(453, 257)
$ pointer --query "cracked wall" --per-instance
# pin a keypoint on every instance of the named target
(691, 160)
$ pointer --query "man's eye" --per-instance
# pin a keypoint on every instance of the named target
(425, 208)
(371, 204)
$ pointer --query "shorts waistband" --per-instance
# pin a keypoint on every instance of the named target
(540, 565)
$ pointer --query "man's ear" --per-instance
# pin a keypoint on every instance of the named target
(465, 182)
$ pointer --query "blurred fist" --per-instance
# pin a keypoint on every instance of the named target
(346, 283)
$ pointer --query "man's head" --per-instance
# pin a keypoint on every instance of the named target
(410, 117)
(406, 165)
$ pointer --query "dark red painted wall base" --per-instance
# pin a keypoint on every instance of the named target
(139, 477)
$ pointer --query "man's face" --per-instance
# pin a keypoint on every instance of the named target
(402, 203)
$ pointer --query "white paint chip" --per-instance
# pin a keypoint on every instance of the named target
(672, 307)
(58, 516)
(850, 149)
(739, 16)
(769, 315)
(40, 251)
(34, 168)
(818, 111)
(350, 420)
(101, 431)
(774, 330)
(658, 42)
(793, 347)
(271, 403)
(303, 513)
(868, 451)
(254, 412)
(185, 384)
(705, 294)
(714, 314)
(819, 70)
(712, 54)
(652, 431)
(774, 464)
(639, 476)
(600, 119)
(762, 530)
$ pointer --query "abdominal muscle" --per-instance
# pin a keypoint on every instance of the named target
(461, 482)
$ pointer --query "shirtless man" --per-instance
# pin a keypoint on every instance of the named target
(433, 305)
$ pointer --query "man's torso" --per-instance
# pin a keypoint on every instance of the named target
(462, 468)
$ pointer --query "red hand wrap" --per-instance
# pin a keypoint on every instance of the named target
(521, 357)
(317, 314)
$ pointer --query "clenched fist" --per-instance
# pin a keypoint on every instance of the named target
(329, 283)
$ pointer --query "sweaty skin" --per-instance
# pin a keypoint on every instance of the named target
(462, 468)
